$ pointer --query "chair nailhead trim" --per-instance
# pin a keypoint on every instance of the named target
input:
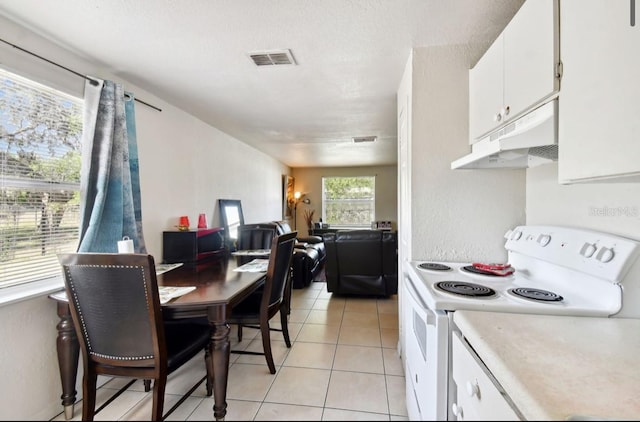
(122, 357)
(84, 327)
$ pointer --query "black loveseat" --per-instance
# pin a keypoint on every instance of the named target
(362, 262)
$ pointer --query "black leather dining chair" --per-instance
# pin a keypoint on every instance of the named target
(117, 316)
(254, 237)
(257, 309)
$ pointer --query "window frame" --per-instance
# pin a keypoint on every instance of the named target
(12, 291)
(371, 201)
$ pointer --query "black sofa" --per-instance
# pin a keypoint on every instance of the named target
(308, 256)
(362, 262)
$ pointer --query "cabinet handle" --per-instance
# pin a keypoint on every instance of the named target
(473, 389)
(457, 410)
(506, 110)
(497, 117)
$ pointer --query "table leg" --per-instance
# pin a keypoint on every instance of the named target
(220, 351)
(68, 353)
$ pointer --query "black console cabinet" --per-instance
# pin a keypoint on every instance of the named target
(192, 246)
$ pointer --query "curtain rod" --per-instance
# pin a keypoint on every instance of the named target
(93, 81)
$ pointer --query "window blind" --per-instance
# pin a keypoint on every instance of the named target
(40, 140)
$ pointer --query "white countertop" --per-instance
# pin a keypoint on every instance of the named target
(560, 367)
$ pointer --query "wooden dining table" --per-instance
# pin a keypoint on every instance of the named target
(218, 288)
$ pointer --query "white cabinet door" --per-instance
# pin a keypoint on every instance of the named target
(599, 106)
(486, 91)
(530, 56)
(518, 71)
(478, 398)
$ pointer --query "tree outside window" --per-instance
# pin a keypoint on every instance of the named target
(348, 202)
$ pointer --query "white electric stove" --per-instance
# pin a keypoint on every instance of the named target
(556, 271)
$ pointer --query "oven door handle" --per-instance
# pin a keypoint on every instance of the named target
(428, 315)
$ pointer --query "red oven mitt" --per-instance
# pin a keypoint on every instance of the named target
(493, 268)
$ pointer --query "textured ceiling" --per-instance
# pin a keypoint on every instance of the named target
(350, 57)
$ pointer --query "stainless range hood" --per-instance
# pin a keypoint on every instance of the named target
(528, 141)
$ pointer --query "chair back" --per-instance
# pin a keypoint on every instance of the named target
(279, 271)
(361, 262)
(282, 226)
(115, 307)
(255, 236)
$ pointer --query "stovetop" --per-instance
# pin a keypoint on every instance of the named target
(502, 298)
(577, 272)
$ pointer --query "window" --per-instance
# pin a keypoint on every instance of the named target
(349, 201)
(40, 138)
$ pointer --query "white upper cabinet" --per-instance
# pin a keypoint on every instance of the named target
(518, 71)
(486, 86)
(599, 109)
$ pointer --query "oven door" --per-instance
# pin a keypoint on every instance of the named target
(426, 357)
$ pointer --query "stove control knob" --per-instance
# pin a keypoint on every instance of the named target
(516, 235)
(605, 254)
(473, 389)
(544, 240)
(587, 250)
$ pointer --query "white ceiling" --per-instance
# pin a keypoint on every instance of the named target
(350, 57)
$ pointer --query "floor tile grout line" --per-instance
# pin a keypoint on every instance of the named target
(333, 362)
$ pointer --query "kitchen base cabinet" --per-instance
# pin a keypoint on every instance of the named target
(478, 396)
(558, 367)
(598, 127)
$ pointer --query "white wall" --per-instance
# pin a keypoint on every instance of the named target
(608, 207)
(457, 215)
(185, 167)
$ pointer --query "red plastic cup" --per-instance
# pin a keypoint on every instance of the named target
(202, 221)
(184, 222)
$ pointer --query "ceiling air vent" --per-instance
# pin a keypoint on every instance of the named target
(271, 58)
(365, 139)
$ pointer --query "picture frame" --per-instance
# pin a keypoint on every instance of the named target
(288, 184)
(232, 217)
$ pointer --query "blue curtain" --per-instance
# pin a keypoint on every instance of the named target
(109, 180)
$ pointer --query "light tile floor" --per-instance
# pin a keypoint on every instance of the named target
(343, 365)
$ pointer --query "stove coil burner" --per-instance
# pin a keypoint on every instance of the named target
(434, 266)
(536, 294)
(464, 288)
(472, 269)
